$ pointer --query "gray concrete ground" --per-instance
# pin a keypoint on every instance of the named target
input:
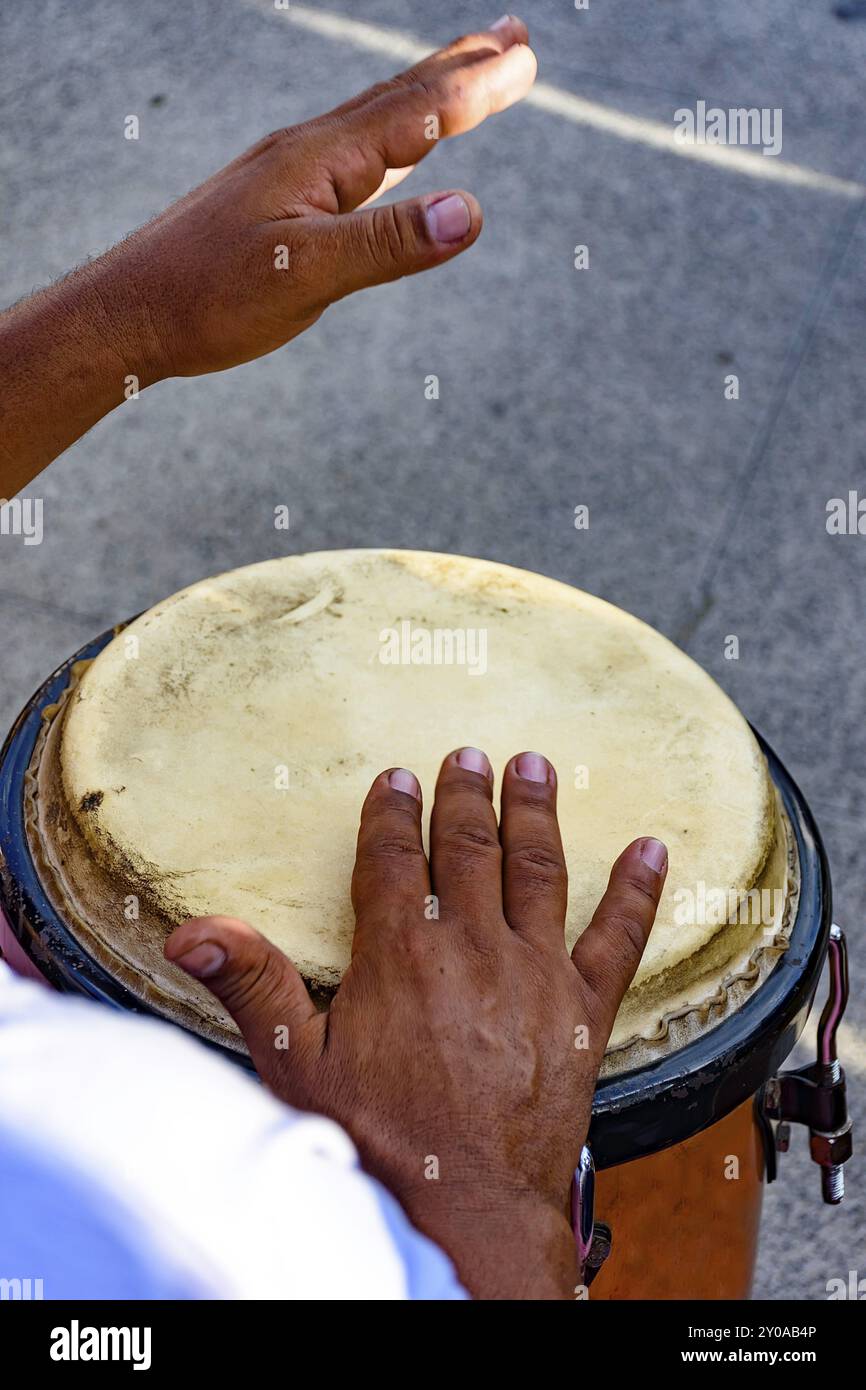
(558, 387)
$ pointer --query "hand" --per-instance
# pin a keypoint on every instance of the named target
(467, 1045)
(255, 255)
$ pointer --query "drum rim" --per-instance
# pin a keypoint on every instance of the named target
(34, 921)
(635, 1113)
(666, 1102)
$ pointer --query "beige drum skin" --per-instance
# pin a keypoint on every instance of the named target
(214, 758)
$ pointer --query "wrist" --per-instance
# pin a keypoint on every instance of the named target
(104, 295)
(68, 355)
(517, 1247)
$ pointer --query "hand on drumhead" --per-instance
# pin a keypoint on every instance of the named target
(462, 1048)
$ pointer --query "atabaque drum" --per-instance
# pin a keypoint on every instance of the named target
(213, 754)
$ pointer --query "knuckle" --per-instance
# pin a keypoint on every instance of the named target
(455, 93)
(462, 794)
(356, 149)
(389, 848)
(394, 813)
(438, 95)
(275, 140)
(470, 838)
(388, 805)
(639, 892)
(536, 798)
(537, 863)
(255, 985)
(395, 844)
(374, 94)
(387, 239)
(425, 88)
(302, 134)
(625, 927)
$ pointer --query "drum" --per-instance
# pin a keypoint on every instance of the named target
(212, 755)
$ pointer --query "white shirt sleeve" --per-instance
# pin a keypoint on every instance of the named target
(214, 1177)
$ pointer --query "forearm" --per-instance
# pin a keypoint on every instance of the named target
(68, 355)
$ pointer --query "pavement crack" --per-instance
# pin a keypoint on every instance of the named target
(687, 629)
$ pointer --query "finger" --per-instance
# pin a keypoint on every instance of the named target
(465, 854)
(391, 880)
(534, 876)
(381, 244)
(252, 979)
(609, 951)
(401, 126)
(506, 31)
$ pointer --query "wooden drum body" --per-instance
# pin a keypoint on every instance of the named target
(685, 1220)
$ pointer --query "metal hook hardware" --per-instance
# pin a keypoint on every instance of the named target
(814, 1095)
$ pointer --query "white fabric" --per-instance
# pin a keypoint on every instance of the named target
(225, 1183)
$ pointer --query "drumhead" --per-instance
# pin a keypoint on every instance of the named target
(215, 755)
(556, 664)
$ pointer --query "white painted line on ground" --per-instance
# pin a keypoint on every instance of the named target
(405, 48)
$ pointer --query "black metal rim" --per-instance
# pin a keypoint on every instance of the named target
(637, 1113)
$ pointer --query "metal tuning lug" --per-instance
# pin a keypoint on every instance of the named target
(593, 1238)
(814, 1096)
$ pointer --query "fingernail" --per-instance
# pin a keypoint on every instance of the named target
(403, 781)
(449, 219)
(203, 960)
(475, 761)
(500, 23)
(655, 854)
(533, 767)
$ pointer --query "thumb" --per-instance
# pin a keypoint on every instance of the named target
(383, 243)
(255, 982)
